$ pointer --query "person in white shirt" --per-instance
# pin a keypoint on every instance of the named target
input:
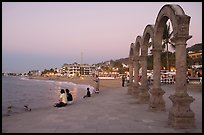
(200, 80)
(128, 80)
(62, 99)
(97, 84)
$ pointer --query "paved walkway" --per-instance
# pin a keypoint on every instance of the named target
(110, 111)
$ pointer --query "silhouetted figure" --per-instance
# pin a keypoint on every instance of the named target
(188, 79)
(9, 110)
(88, 94)
(97, 84)
(26, 108)
(149, 80)
(69, 97)
(123, 81)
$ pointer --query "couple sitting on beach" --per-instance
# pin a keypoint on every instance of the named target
(64, 99)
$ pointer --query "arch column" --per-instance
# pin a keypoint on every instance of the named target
(180, 114)
(130, 86)
(144, 94)
(136, 80)
(157, 102)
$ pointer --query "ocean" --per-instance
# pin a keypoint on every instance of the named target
(36, 94)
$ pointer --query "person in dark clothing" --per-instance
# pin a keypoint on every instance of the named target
(149, 80)
(88, 94)
(123, 81)
(69, 97)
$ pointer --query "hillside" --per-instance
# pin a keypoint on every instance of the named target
(194, 48)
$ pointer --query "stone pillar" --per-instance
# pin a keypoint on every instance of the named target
(130, 85)
(136, 80)
(157, 102)
(144, 94)
(180, 114)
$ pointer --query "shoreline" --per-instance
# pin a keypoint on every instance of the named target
(77, 94)
(87, 80)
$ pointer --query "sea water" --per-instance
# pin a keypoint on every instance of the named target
(36, 94)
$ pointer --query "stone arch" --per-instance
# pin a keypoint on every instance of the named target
(138, 44)
(147, 34)
(178, 19)
(137, 47)
(131, 57)
(180, 115)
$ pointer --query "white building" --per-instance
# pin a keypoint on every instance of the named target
(75, 69)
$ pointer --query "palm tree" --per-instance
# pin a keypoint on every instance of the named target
(167, 41)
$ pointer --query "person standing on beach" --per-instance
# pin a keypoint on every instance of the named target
(69, 97)
(62, 99)
(88, 94)
(128, 80)
(97, 84)
(123, 81)
(149, 80)
(201, 80)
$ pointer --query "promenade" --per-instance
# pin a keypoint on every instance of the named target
(110, 111)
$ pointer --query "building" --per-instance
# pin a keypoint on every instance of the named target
(75, 69)
(195, 52)
(34, 73)
(70, 70)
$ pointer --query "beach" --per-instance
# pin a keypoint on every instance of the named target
(110, 111)
(88, 80)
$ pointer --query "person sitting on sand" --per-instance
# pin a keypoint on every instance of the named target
(88, 94)
(62, 99)
(69, 97)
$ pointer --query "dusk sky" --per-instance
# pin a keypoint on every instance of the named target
(44, 35)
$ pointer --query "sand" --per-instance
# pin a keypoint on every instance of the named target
(104, 83)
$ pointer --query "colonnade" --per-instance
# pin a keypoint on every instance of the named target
(180, 114)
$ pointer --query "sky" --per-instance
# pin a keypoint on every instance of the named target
(45, 35)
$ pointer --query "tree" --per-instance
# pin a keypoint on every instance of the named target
(150, 62)
(167, 41)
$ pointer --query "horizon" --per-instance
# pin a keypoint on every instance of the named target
(42, 35)
(84, 63)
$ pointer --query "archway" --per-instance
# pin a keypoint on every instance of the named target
(131, 57)
(180, 114)
(147, 34)
(136, 65)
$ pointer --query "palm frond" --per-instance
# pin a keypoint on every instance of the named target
(172, 45)
(150, 44)
(170, 35)
(168, 28)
